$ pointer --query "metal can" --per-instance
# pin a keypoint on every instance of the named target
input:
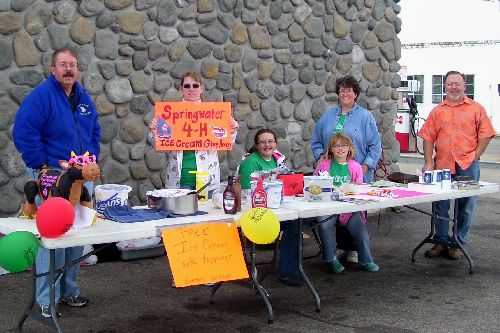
(437, 176)
(428, 177)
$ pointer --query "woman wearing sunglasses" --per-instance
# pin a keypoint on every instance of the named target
(179, 163)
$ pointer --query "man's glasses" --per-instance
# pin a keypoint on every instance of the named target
(194, 85)
(340, 146)
(64, 65)
(345, 91)
(268, 142)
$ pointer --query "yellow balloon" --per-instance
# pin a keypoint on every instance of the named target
(260, 225)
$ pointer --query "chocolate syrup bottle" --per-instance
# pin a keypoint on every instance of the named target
(229, 198)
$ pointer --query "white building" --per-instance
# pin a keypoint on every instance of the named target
(463, 35)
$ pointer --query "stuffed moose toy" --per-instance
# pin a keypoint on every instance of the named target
(67, 184)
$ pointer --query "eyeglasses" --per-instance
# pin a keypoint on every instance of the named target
(269, 142)
(346, 91)
(64, 65)
(340, 146)
(194, 85)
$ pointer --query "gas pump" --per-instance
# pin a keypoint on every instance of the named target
(407, 111)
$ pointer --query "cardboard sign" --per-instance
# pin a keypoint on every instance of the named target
(193, 126)
(205, 253)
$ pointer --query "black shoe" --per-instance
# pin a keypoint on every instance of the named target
(290, 280)
(75, 301)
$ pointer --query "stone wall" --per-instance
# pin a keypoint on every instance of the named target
(276, 61)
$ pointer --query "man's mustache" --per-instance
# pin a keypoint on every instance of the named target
(68, 74)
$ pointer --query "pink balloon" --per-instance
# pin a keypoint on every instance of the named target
(55, 217)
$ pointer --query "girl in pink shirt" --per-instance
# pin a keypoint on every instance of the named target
(338, 162)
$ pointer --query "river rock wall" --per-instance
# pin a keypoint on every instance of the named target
(275, 61)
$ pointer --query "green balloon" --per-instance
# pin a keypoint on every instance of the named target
(18, 251)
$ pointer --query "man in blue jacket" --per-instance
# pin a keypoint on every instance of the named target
(57, 117)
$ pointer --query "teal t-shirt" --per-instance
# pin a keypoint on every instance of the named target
(254, 162)
(340, 173)
(340, 124)
(188, 164)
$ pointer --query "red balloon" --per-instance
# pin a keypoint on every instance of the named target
(54, 217)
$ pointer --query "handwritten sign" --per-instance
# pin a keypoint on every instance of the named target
(193, 126)
(205, 253)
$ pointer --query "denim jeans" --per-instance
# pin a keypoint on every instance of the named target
(66, 285)
(357, 228)
(288, 261)
(465, 210)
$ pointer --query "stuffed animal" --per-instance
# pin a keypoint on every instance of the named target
(67, 184)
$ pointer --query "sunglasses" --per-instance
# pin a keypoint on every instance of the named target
(194, 85)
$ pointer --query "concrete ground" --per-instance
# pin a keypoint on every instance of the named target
(429, 295)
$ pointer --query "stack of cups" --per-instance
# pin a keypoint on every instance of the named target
(436, 177)
(446, 179)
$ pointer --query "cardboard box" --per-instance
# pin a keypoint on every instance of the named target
(292, 183)
(318, 188)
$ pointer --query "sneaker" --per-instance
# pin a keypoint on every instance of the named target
(46, 311)
(437, 250)
(454, 253)
(352, 257)
(370, 267)
(335, 267)
(76, 301)
(290, 279)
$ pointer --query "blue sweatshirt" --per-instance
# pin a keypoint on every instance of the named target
(360, 126)
(47, 128)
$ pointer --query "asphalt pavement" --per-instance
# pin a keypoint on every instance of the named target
(429, 295)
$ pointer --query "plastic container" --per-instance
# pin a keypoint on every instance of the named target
(109, 195)
(274, 191)
(230, 200)
(201, 179)
(259, 195)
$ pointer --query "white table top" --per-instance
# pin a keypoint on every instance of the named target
(311, 209)
(105, 231)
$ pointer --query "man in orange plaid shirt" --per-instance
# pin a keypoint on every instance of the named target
(458, 130)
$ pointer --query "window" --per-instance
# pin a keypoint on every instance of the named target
(439, 93)
(419, 95)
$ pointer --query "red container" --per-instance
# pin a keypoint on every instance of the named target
(292, 183)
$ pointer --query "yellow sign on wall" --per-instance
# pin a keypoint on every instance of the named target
(205, 253)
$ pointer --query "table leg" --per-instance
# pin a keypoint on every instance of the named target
(431, 233)
(52, 295)
(215, 287)
(455, 237)
(262, 292)
(52, 322)
(31, 302)
(453, 242)
(301, 269)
